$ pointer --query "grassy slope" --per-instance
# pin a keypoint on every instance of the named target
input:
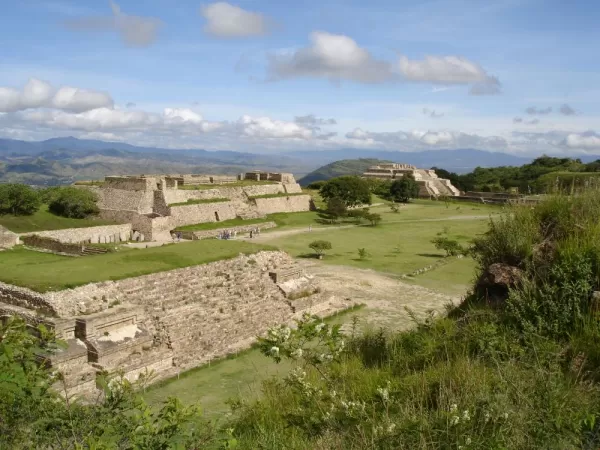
(44, 220)
(46, 272)
(338, 168)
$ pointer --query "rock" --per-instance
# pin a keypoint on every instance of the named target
(135, 236)
(495, 283)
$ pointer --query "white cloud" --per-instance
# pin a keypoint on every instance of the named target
(229, 21)
(182, 115)
(419, 139)
(432, 113)
(39, 94)
(586, 141)
(533, 111)
(331, 56)
(134, 31)
(98, 135)
(311, 120)
(265, 127)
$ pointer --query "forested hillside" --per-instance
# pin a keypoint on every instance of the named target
(339, 168)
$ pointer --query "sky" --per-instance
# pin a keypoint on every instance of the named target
(517, 76)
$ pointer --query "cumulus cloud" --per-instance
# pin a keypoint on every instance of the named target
(338, 57)
(432, 113)
(586, 141)
(40, 94)
(265, 127)
(311, 120)
(229, 21)
(134, 31)
(331, 56)
(418, 139)
(533, 111)
(566, 110)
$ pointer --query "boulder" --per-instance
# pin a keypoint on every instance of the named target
(495, 283)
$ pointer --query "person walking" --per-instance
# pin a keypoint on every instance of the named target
(250, 234)
(309, 228)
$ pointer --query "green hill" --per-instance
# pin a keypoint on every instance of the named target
(339, 168)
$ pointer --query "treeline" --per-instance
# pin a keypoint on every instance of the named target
(542, 175)
(67, 201)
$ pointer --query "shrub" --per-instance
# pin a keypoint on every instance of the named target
(18, 200)
(405, 188)
(358, 215)
(336, 208)
(351, 190)
(373, 218)
(450, 246)
(319, 247)
(74, 202)
(363, 253)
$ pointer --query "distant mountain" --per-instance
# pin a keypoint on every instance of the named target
(460, 161)
(338, 168)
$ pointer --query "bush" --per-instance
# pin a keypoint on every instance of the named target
(316, 185)
(74, 202)
(351, 190)
(319, 247)
(336, 208)
(405, 188)
(363, 253)
(18, 200)
(373, 218)
(450, 246)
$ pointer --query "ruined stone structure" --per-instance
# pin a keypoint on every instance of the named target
(170, 321)
(429, 183)
(8, 239)
(154, 206)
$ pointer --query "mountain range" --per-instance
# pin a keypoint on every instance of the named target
(64, 160)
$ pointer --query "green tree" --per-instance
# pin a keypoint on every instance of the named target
(319, 247)
(405, 188)
(373, 218)
(450, 246)
(74, 202)
(316, 185)
(18, 200)
(336, 208)
(352, 190)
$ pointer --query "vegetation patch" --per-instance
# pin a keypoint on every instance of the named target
(48, 272)
(281, 194)
(195, 201)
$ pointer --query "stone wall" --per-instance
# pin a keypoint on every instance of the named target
(169, 321)
(293, 203)
(52, 245)
(94, 235)
(8, 239)
(201, 213)
(208, 234)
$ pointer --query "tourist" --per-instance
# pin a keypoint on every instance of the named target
(179, 236)
(250, 234)
(309, 228)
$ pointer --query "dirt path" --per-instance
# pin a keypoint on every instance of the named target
(386, 298)
(270, 235)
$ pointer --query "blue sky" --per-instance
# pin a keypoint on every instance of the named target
(520, 76)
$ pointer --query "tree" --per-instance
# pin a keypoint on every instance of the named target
(373, 218)
(319, 247)
(74, 202)
(450, 246)
(336, 208)
(18, 200)
(405, 188)
(352, 190)
(316, 185)
(358, 215)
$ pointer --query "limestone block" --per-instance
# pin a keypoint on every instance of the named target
(135, 236)
(102, 239)
(141, 237)
(123, 237)
(116, 237)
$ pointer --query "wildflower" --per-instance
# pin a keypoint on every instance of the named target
(505, 415)
(391, 427)
(468, 441)
(274, 351)
(465, 415)
(319, 327)
(486, 416)
(453, 407)
(454, 420)
(297, 353)
(383, 393)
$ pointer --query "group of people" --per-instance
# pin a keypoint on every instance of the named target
(226, 234)
(176, 236)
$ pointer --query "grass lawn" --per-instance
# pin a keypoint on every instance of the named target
(48, 272)
(45, 220)
(212, 385)
(242, 183)
(225, 224)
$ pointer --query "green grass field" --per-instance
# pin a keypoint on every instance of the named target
(241, 183)
(48, 272)
(45, 220)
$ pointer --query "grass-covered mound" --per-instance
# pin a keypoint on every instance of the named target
(518, 372)
(48, 272)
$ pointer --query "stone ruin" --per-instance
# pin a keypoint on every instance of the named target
(171, 321)
(155, 205)
(8, 239)
(429, 183)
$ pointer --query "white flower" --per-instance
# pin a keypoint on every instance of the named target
(274, 351)
(319, 327)
(453, 407)
(454, 421)
(468, 441)
(391, 427)
(465, 415)
(486, 417)
(505, 415)
(383, 393)
(297, 353)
